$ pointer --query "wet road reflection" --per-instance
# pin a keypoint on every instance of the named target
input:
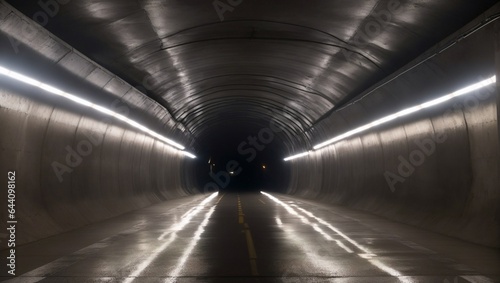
(366, 253)
(190, 247)
(186, 218)
(253, 237)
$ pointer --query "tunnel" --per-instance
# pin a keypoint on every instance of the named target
(249, 141)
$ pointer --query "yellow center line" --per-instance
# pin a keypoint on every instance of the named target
(241, 220)
(252, 254)
(251, 248)
(251, 251)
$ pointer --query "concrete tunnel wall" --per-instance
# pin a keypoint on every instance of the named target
(453, 184)
(455, 191)
(113, 168)
(126, 171)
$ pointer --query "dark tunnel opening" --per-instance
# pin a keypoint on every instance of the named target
(241, 155)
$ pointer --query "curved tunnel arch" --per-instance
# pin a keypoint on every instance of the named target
(343, 44)
(245, 69)
(236, 97)
(226, 84)
(272, 79)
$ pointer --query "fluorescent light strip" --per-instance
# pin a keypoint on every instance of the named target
(188, 154)
(297, 156)
(74, 98)
(409, 111)
(401, 113)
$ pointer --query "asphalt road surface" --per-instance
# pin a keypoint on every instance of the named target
(252, 237)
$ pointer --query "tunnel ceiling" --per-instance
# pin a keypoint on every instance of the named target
(209, 62)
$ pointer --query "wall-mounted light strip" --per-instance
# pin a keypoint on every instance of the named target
(48, 88)
(297, 156)
(401, 113)
(188, 154)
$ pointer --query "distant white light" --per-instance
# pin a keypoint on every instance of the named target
(278, 221)
(188, 154)
(401, 113)
(48, 88)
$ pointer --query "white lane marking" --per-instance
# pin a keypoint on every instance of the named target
(407, 243)
(173, 235)
(144, 264)
(187, 217)
(334, 229)
(304, 220)
(192, 244)
(187, 212)
(413, 245)
(41, 272)
(377, 263)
